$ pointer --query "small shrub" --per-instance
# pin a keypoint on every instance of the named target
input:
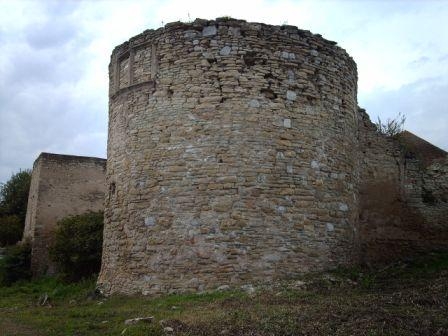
(77, 246)
(15, 264)
(11, 229)
(391, 127)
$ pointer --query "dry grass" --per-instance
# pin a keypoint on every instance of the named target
(403, 299)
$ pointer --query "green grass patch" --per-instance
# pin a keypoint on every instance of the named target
(402, 299)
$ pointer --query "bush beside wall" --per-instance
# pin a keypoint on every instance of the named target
(78, 245)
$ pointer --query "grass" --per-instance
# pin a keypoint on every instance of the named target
(402, 299)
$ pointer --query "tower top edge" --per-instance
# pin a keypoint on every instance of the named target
(199, 25)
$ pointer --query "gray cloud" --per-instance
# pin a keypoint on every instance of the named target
(56, 27)
(52, 120)
(443, 58)
(50, 34)
(56, 8)
(42, 104)
(419, 62)
(42, 67)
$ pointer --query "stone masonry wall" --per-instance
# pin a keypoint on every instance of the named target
(61, 186)
(403, 199)
(230, 157)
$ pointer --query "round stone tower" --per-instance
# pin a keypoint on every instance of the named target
(231, 157)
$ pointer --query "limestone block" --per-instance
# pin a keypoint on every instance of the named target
(225, 51)
(209, 31)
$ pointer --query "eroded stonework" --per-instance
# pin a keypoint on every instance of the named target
(237, 154)
(61, 186)
(403, 195)
(230, 157)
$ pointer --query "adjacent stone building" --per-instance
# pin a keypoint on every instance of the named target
(237, 154)
(61, 186)
(403, 195)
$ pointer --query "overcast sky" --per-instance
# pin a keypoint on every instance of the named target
(54, 61)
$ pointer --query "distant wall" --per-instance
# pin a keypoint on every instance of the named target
(61, 185)
(403, 196)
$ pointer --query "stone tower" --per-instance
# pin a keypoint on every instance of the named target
(230, 157)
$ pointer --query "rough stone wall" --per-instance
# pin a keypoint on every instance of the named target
(230, 157)
(403, 196)
(61, 185)
(426, 193)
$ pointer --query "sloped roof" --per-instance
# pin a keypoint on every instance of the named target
(420, 148)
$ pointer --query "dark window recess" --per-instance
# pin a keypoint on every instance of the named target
(268, 93)
(428, 197)
(112, 188)
(250, 58)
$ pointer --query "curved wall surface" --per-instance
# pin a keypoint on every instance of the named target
(231, 157)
